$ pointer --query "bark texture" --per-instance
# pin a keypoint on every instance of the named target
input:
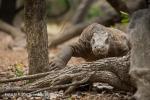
(37, 38)
(139, 29)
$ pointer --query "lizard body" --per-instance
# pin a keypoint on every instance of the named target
(96, 42)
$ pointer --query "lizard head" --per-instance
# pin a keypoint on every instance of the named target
(100, 43)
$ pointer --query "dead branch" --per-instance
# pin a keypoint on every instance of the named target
(81, 11)
(32, 91)
(28, 77)
(15, 90)
(66, 85)
(14, 32)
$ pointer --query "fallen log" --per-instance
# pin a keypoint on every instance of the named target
(113, 71)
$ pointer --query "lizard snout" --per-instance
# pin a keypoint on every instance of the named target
(99, 50)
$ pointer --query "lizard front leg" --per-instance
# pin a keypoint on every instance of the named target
(61, 59)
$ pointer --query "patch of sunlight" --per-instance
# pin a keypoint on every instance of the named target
(53, 29)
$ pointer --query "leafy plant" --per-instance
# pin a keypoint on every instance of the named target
(124, 17)
(94, 11)
(19, 69)
(56, 6)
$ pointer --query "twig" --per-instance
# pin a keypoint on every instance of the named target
(28, 77)
(15, 90)
(26, 90)
(66, 85)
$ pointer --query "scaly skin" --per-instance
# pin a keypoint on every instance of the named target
(96, 42)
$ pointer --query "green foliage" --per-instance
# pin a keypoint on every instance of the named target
(19, 69)
(62, 2)
(124, 17)
(94, 11)
(48, 8)
(55, 6)
(19, 73)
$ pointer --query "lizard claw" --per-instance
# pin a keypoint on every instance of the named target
(56, 65)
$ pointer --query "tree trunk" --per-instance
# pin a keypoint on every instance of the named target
(37, 38)
(139, 29)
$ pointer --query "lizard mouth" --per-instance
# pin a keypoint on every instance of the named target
(100, 52)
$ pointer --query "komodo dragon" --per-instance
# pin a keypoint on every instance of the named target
(96, 42)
